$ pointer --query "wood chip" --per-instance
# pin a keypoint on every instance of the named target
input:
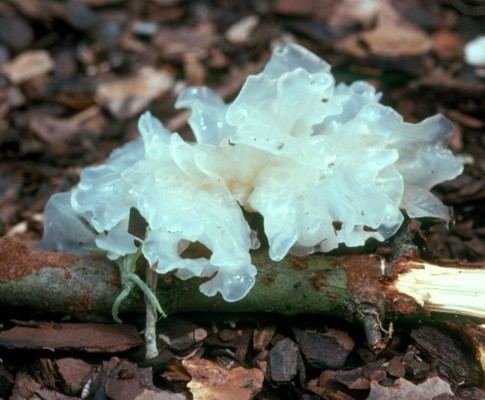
(89, 337)
(28, 65)
(353, 379)
(181, 335)
(73, 373)
(405, 390)
(210, 381)
(47, 372)
(475, 334)
(396, 37)
(447, 354)
(392, 37)
(27, 388)
(396, 367)
(177, 43)
(241, 31)
(262, 337)
(125, 98)
(326, 387)
(125, 380)
(324, 350)
(283, 361)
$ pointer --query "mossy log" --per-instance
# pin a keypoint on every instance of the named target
(364, 288)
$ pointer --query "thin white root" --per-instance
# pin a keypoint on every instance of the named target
(151, 317)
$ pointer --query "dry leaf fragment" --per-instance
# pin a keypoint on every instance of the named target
(241, 30)
(394, 36)
(402, 389)
(210, 381)
(125, 98)
(28, 65)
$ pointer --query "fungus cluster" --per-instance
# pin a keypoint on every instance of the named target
(324, 165)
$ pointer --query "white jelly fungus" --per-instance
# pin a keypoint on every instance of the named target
(475, 52)
(323, 164)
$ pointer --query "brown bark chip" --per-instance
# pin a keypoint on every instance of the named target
(181, 335)
(124, 380)
(283, 361)
(73, 373)
(27, 388)
(326, 387)
(396, 367)
(450, 359)
(324, 350)
(89, 337)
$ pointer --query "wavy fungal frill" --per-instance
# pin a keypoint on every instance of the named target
(324, 165)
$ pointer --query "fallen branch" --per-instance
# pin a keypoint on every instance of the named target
(355, 287)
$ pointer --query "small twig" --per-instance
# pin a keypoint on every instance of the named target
(371, 322)
(151, 315)
(85, 115)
